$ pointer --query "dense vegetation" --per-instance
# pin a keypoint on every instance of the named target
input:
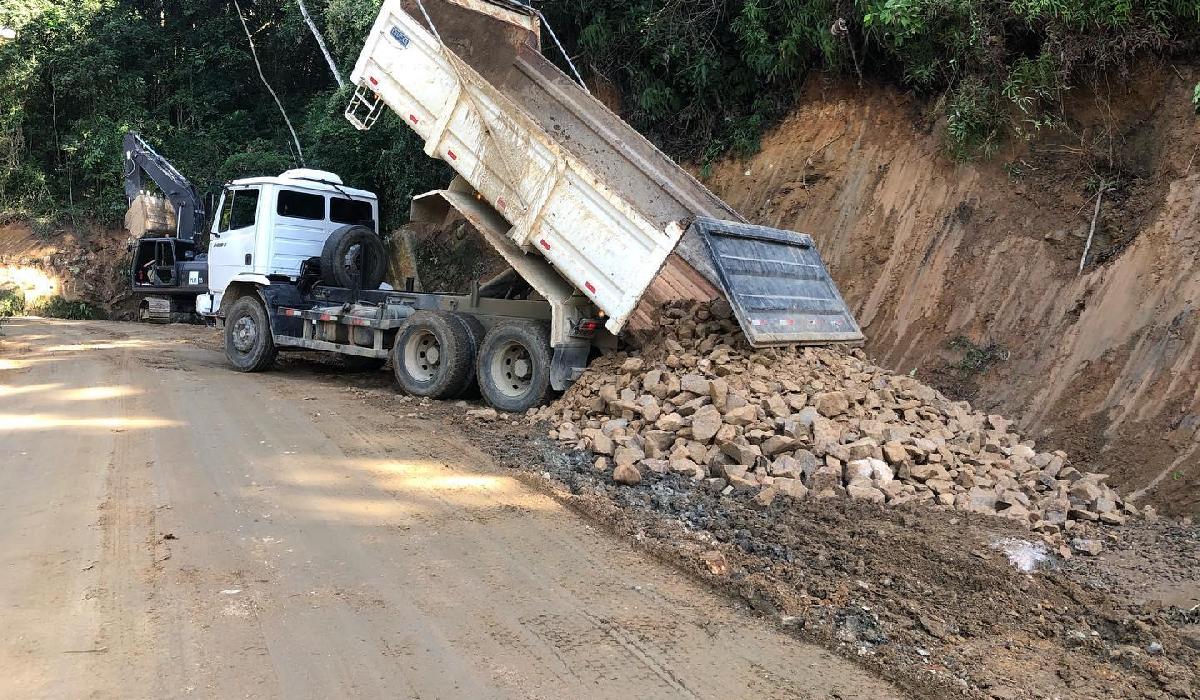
(700, 77)
(80, 74)
(704, 76)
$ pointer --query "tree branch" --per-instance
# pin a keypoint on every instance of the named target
(254, 54)
(321, 42)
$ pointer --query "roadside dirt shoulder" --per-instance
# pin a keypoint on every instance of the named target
(176, 528)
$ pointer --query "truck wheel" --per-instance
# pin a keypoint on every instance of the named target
(248, 342)
(354, 250)
(433, 355)
(514, 366)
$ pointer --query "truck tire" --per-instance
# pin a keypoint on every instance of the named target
(248, 342)
(513, 368)
(433, 355)
(352, 250)
(476, 333)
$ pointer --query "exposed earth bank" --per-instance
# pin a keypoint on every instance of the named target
(968, 274)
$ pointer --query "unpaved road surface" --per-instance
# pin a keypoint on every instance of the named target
(173, 529)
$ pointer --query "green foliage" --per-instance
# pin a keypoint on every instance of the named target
(12, 302)
(706, 78)
(971, 120)
(699, 79)
(1196, 97)
(58, 307)
(976, 358)
(79, 75)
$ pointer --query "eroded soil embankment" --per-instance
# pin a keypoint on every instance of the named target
(87, 265)
(969, 273)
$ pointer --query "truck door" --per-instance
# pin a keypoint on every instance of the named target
(235, 235)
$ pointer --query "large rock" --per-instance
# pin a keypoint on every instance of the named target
(980, 500)
(786, 466)
(705, 423)
(741, 453)
(775, 406)
(894, 453)
(777, 444)
(791, 487)
(863, 449)
(825, 432)
(826, 478)
(684, 465)
(742, 416)
(858, 470)
(861, 491)
(626, 474)
(601, 443)
(739, 476)
(718, 393)
(628, 455)
(694, 384)
(671, 422)
(831, 403)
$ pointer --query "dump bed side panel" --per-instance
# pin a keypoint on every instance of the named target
(646, 178)
(557, 206)
(582, 188)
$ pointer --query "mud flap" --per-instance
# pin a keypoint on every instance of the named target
(777, 284)
(277, 295)
(568, 363)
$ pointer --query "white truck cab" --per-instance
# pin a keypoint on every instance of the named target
(267, 226)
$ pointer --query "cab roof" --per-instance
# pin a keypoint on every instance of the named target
(312, 180)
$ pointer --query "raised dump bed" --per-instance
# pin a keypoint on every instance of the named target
(569, 180)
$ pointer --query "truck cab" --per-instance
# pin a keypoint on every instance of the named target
(267, 227)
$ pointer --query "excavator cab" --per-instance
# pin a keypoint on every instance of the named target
(158, 262)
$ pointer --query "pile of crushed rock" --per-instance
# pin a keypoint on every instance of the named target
(812, 423)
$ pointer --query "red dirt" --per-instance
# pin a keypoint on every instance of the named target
(1103, 364)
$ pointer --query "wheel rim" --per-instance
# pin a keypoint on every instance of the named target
(512, 369)
(245, 334)
(422, 356)
(352, 261)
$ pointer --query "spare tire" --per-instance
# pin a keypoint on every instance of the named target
(354, 251)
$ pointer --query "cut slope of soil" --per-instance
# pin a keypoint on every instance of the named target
(1103, 364)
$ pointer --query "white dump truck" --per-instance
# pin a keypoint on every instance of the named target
(599, 227)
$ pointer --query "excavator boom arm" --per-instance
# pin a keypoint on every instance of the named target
(142, 161)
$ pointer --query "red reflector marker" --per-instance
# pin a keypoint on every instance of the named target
(590, 287)
(544, 244)
(413, 118)
(452, 155)
(373, 80)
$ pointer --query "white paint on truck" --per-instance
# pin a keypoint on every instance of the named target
(557, 206)
(277, 224)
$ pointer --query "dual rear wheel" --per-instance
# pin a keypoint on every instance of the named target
(444, 355)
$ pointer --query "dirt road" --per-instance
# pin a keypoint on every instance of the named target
(173, 528)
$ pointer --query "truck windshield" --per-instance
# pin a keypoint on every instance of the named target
(239, 209)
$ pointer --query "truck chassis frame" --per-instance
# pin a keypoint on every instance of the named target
(365, 323)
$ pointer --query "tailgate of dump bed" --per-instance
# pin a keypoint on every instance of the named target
(777, 284)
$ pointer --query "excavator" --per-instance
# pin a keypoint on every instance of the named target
(169, 266)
